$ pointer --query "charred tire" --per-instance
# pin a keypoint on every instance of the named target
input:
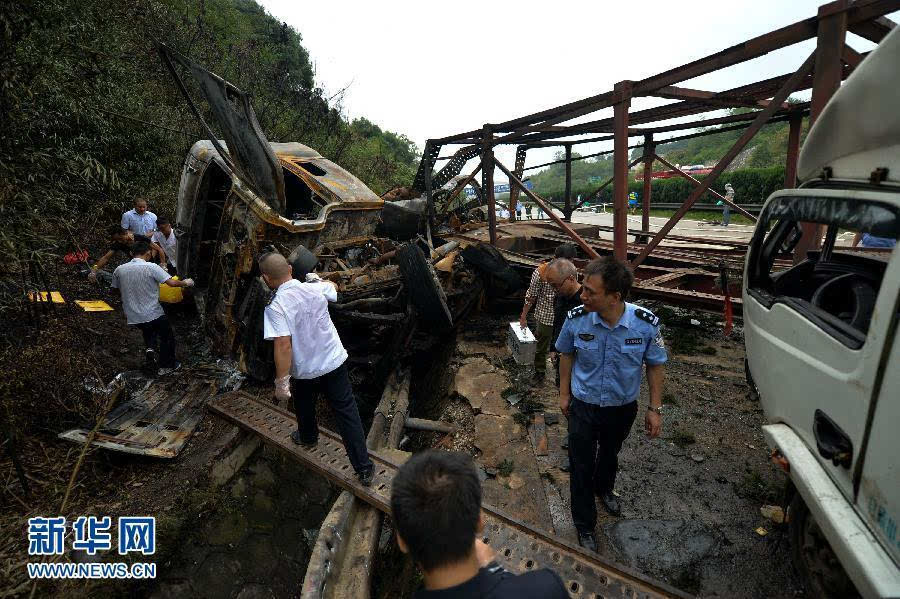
(813, 556)
(501, 278)
(425, 292)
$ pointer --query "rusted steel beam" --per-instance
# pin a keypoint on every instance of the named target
(521, 152)
(695, 181)
(620, 171)
(851, 57)
(716, 99)
(739, 145)
(586, 156)
(826, 81)
(487, 180)
(793, 151)
(873, 30)
(550, 144)
(540, 202)
(649, 154)
(459, 187)
(567, 212)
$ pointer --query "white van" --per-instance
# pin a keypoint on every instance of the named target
(822, 340)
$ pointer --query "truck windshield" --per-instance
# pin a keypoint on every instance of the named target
(836, 286)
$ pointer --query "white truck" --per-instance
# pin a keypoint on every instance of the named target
(822, 343)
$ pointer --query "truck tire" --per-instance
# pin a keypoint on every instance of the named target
(422, 285)
(813, 557)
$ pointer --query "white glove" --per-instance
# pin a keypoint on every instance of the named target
(312, 277)
(189, 282)
(283, 388)
(92, 276)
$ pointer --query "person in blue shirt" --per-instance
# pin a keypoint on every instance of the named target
(870, 241)
(139, 220)
(603, 345)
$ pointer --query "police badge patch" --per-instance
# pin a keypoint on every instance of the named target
(585, 336)
(634, 341)
(659, 341)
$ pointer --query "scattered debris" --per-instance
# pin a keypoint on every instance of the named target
(762, 531)
(697, 457)
(773, 512)
(94, 305)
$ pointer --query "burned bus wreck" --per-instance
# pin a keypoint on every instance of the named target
(243, 196)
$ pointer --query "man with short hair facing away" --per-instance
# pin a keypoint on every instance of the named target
(436, 509)
(309, 357)
(164, 237)
(139, 220)
(604, 344)
(138, 281)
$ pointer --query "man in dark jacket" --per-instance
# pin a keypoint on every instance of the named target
(562, 276)
(436, 506)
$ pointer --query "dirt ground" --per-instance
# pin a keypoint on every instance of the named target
(690, 499)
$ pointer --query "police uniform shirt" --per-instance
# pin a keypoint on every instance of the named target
(607, 364)
(493, 582)
(300, 310)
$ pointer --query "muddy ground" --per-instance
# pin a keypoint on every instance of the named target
(690, 499)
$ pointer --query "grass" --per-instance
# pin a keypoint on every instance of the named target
(683, 438)
(505, 468)
(716, 215)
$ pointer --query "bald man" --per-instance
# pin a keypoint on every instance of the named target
(309, 358)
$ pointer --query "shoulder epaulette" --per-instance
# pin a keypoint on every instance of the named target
(577, 311)
(647, 316)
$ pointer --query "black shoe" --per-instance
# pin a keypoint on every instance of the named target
(365, 476)
(611, 503)
(295, 437)
(587, 540)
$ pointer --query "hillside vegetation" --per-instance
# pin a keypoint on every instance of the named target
(92, 120)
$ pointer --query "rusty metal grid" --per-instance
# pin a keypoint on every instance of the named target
(519, 547)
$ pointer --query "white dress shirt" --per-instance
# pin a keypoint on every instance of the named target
(168, 244)
(138, 281)
(141, 224)
(300, 310)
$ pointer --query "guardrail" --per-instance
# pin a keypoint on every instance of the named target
(751, 208)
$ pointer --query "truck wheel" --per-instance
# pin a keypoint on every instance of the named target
(425, 292)
(813, 556)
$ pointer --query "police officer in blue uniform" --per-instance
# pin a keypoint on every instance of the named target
(603, 345)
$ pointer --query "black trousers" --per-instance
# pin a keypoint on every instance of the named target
(339, 394)
(596, 434)
(158, 336)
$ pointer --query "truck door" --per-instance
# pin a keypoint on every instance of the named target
(815, 331)
(879, 484)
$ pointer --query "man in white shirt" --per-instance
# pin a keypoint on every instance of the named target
(309, 357)
(139, 220)
(138, 281)
(164, 236)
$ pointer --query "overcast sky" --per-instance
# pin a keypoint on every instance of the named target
(430, 69)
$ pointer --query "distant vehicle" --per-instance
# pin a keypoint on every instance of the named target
(693, 170)
(822, 342)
